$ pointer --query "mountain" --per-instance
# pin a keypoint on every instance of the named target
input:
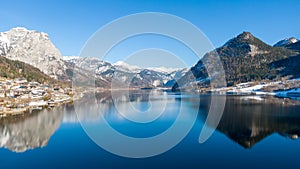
(16, 69)
(164, 69)
(294, 46)
(245, 58)
(289, 43)
(288, 67)
(176, 74)
(82, 70)
(125, 67)
(123, 73)
(286, 42)
(34, 48)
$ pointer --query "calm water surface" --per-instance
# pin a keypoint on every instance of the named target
(254, 132)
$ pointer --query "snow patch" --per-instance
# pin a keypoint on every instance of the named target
(68, 58)
(126, 67)
(164, 69)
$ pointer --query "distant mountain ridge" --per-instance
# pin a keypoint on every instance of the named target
(286, 42)
(289, 43)
(124, 73)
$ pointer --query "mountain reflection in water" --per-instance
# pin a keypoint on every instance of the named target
(19, 134)
(246, 120)
(249, 119)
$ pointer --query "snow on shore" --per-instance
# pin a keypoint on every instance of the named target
(251, 89)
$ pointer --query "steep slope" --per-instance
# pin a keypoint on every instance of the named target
(289, 66)
(34, 48)
(82, 70)
(244, 58)
(16, 69)
(125, 67)
(294, 46)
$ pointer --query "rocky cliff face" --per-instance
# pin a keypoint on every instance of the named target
(34, 48)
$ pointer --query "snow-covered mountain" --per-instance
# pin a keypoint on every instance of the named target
(34, 48)
(286, 42)
(291, 43)
(71, 59)
(164, 69)
(127, 67)
(127, 74)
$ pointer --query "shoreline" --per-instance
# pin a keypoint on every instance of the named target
(30, 109)
(293, 94)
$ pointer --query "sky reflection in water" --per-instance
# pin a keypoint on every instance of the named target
(253, 132)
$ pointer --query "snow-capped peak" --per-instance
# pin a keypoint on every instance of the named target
(126, 67)
(68, 58)
(286, 42)
(294, 40)
(34, 48)
(164, 69)
(19, 29)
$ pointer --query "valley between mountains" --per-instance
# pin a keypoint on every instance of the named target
(34, 74)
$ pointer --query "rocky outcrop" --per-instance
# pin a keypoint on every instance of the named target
(34, 48)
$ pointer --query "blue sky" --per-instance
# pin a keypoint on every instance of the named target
(70, 23)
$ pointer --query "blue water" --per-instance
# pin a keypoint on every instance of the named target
(253, 133)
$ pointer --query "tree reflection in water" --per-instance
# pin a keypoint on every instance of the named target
(246, 119)
(19, 134)
(249, 119)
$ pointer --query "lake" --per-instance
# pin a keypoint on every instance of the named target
(253, 132)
